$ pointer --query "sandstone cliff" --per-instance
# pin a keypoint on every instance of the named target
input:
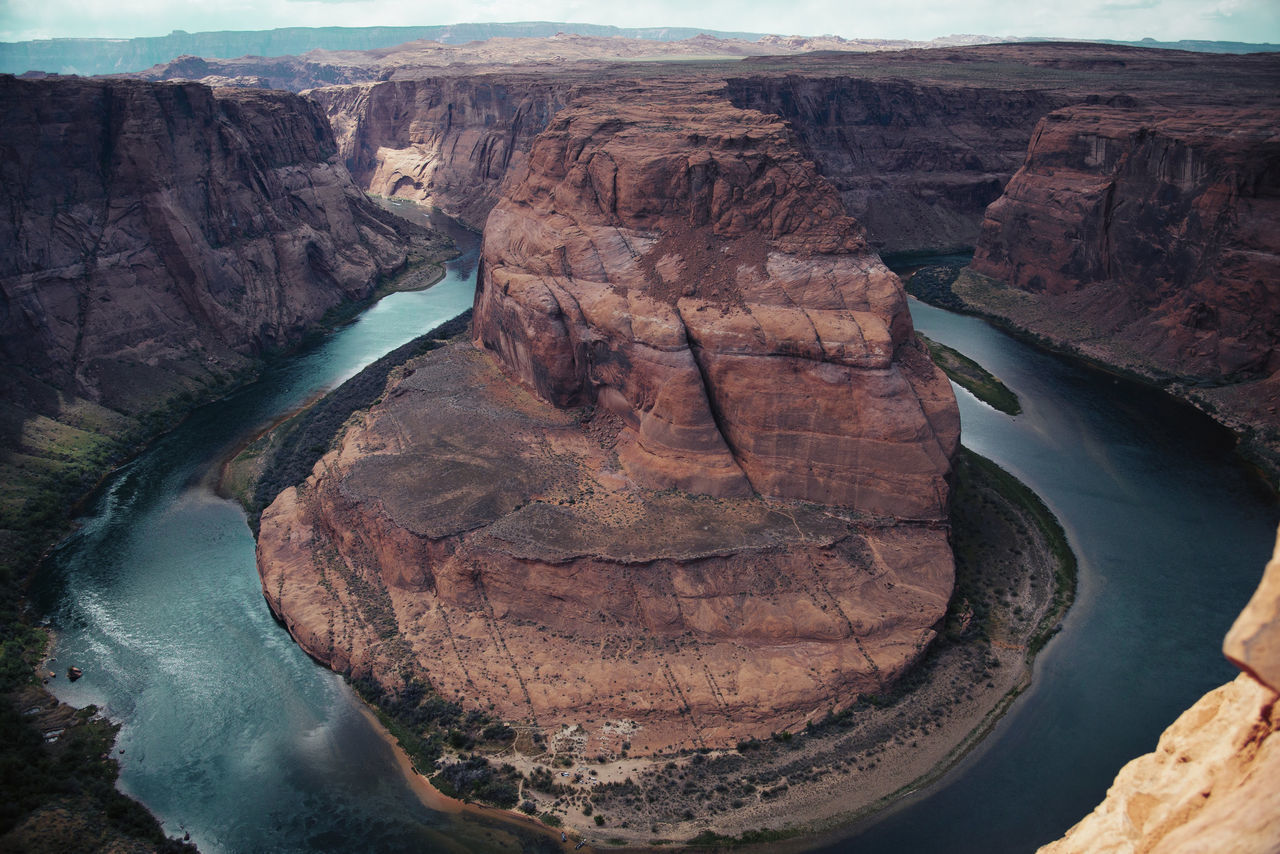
(1210, 785)
(694, 488)
(915, 163)
(1149, 237)
(443, 141)
(685, 269)
(157, 236)
(1165, 222)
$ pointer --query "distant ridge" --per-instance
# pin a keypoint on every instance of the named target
(88, 56)
(117, 56)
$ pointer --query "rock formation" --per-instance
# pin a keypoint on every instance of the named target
(444, 141)
(1148, 237)
(915, 163)
(1164, 222)
(1210, 785)
(691, 491)
(157, 236)
(690, 273)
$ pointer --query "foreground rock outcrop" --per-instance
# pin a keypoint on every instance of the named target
(693, 487)
(157, 236)
(1210, 785)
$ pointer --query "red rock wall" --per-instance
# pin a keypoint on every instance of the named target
(916, 164)
(445, 141)
(155, 235)
(1168, 219)
(681, 265)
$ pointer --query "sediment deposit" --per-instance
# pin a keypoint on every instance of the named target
(594, 521)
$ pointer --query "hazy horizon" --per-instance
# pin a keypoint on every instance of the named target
(1255, 21)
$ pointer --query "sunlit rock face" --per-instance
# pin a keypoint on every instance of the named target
(683, 267)
(1210, 785)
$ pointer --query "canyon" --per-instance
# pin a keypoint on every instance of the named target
(160, 239)
(1146, 238)
(693, 433)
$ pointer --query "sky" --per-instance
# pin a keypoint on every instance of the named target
(1163, 20)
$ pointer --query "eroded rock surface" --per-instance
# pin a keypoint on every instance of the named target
(1148, 237)
(444, 141)
(691, 490)
(684, 268)
(158, 235)
(1210, 785)
(1161, 225)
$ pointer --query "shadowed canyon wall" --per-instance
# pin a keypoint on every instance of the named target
(157, 236)
(916, 164)
(1148, 237)
(444, 141)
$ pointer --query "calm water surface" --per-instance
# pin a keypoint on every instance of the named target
(1172, 533)
(231, 732)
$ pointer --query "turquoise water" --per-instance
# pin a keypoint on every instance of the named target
(229, 731)
(232, 733)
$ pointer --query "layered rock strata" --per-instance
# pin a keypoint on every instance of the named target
(1210, 785)
(1162, 225)
(444, 141)
(691, 490)
(157, 236)
(916, 163)
(1149, 238)
(689, 272)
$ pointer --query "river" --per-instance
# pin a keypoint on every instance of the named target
(231, 733)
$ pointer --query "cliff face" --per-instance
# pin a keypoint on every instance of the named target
(1165, 223)
(677, 320)
(688, 271)
(156, 236)
(1210, 784)
(916, 164)
(444, 141)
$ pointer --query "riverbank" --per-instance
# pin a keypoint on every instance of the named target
(1015, 581)
(1250, 409)
(51, 466)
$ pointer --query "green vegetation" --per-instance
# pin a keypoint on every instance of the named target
(971, 467)
(425, 724)
(53, 793)
(710, 839)
(977, 379)
(932, 284)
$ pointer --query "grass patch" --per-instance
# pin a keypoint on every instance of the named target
(978, 380)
